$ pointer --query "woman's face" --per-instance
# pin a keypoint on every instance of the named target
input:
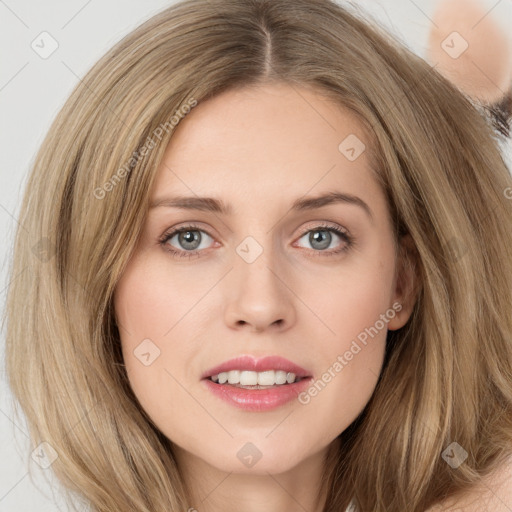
(268, 277)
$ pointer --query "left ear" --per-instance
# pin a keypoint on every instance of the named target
(407, 282)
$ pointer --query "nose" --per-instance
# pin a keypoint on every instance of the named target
(259, 297)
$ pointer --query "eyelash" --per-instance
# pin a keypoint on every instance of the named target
(349, 240)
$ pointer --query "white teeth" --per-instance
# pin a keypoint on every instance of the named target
(234, 377)
(249, 378)
(280, 377)
(246, 378)
(266, 378)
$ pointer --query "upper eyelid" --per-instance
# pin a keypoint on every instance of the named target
(325, 225)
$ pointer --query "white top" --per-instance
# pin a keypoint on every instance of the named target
(351, 507)
(506, 149)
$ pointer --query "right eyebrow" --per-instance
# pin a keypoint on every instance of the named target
(207, 204)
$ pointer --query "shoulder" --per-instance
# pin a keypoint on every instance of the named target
(493, 494)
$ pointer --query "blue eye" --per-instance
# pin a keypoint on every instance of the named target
(321, 237)
(190, 238)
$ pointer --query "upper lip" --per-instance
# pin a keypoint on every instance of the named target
(251, 363)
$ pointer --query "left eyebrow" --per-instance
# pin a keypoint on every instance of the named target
(211, 204)
(310, 203)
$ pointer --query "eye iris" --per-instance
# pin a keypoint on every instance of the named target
(189, 237)
(316, 236)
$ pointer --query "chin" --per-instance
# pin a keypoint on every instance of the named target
(273, 464)
(254, 455)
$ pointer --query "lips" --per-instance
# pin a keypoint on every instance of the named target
(250, 363)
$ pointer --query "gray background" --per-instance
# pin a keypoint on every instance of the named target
(32, 90)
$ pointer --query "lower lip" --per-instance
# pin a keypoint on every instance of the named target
(258, 399)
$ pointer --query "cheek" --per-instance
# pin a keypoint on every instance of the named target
(149, 301)
(356, 308)
(352, 298)
(151, 310)
(143, 315)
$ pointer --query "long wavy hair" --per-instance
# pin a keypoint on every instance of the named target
(447, 375)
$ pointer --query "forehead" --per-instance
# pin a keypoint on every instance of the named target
(265, 143)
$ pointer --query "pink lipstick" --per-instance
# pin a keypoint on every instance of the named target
(257, 384)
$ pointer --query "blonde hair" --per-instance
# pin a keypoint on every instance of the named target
(447, 375)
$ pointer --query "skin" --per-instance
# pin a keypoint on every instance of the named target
(259, 149)
(484, 69)
(494, 493)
